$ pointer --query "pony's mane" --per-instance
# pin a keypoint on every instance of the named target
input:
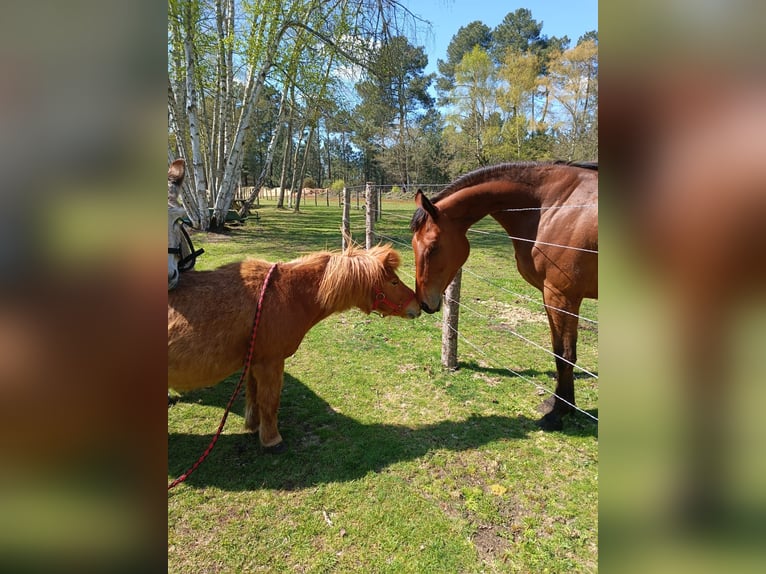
(519, 169)
(352, 275)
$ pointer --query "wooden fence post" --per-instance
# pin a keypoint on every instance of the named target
(369, 194)
(450, 319)
(346, 231)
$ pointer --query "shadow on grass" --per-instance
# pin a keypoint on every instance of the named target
(575, 424)
(323, 446)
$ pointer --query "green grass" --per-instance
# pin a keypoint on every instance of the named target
(394, 465)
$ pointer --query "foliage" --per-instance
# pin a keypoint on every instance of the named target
(338, 90)
(337, 186)
(392, 100)
(574, 81)
(474, 34)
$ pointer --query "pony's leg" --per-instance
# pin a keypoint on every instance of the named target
(269, 378)
(564, 338)
(252, 418)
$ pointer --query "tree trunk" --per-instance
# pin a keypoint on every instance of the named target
(189, 198)
(234, 159)
(294, 166)
(269, 158)
(302, 174)
(200, 190)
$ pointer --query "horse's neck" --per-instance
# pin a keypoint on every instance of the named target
(471, 204)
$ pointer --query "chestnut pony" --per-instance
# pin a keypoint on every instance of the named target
(210, 319)
(550, 212)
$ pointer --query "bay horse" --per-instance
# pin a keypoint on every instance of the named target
(210, 320)
(181, 253)
(550, 212)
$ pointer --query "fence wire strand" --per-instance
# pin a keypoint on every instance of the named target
(526, 340)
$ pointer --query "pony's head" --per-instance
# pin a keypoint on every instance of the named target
(440, 247)
(180, 250)
(366, 278)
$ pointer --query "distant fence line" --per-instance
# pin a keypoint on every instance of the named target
(327, 196)
(371, 197)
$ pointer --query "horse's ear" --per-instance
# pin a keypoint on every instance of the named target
(425, 204)
(176, 171)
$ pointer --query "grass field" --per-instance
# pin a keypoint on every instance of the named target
(393, 464)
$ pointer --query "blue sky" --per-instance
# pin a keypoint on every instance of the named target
(559, 18)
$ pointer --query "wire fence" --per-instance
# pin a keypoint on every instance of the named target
(375, 196)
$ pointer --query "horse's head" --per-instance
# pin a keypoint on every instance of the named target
(175, 213)
(392, 296)
(440, 247)
(175, 244)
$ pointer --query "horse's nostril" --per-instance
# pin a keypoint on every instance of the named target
(427, 309)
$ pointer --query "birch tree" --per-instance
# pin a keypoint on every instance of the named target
(252, 41)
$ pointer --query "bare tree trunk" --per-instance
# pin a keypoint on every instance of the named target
(302, 175)
(294, 168)
(285, 156)
(234, 158)
(191, 113)
(269, 158)
(189, 199)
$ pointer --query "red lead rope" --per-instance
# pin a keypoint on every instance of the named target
(248, 358)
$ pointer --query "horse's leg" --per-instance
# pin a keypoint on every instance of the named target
(268, 390)
(564, 338)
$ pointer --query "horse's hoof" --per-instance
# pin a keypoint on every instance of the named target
(278, 448)
(551, 422)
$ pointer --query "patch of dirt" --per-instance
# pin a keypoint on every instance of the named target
(212, 237)
(511, 316)
(489, 544)
(491, 381)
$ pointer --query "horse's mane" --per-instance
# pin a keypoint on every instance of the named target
(352, 274)
(520, 170)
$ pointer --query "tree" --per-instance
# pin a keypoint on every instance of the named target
(402, 90)
(518, 32)
(226, 62)
(521, 79)
(474, 101)
(465, 39)
(574, 81)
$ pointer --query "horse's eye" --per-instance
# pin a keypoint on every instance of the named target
(394, 282)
